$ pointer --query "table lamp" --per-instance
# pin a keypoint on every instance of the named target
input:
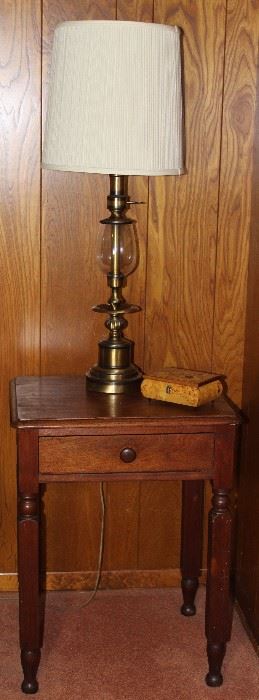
(115, 107)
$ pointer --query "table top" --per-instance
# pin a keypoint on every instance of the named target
(39, 401)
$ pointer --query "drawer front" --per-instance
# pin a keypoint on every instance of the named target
(125, 453)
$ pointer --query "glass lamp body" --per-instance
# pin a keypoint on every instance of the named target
(117, 248)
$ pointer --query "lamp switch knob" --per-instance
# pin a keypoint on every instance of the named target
(128, 454)
(133, 201)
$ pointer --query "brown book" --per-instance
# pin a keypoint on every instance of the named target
(182, 386)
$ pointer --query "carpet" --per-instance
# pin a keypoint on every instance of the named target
(125, 645)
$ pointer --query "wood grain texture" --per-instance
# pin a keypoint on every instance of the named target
(61, 553)
(121, 527)
(136, 10)
(182, 238)
(247, 555)
(235, 191)
(20, 43)
(79, 454)
(183, 211)
(159, 525)
(180, 437)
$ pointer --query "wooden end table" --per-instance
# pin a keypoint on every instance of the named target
(66, 434)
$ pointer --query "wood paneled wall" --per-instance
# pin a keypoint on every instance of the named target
(192, 278)
(236, 177)
(248, 521)
(20, 108)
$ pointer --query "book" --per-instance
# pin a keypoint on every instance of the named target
(182, 386)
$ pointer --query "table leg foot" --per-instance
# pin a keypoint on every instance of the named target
(189, 588)
(191, 542)
(216, 653)
(30, 662)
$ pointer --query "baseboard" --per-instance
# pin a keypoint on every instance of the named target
(85, 580)
(8, 582)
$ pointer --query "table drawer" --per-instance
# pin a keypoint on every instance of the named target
(125, 453)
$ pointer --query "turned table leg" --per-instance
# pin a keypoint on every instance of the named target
(28, 541)
(28, 561)
(219, 606)
(191, 542)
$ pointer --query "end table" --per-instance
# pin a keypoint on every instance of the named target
(65, 433)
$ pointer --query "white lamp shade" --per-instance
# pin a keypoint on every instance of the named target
(115, 99)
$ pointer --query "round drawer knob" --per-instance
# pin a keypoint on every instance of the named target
(128, 454)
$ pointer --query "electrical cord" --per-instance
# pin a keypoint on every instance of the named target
(101, 550)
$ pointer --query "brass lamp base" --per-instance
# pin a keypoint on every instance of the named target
(115, 372)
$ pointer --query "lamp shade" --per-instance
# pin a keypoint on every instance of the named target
(115, 103)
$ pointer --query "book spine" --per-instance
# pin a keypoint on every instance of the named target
(209, 392)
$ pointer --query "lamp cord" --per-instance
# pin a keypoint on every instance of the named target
(101, 549)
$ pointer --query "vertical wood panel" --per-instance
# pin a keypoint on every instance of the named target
(235, 191)
(20, 63)
(183, 210)
(136, 10)
(76, 513)
(182, 245)
(159, 525)
(121, 526)
(235, 220)
(248, 539)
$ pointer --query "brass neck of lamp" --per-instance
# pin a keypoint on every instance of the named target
(117, 203)
(118, 196)
(115, 371)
